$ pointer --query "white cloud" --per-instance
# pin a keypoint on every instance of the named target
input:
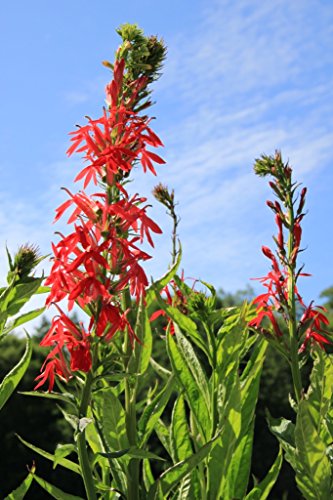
(254, 77)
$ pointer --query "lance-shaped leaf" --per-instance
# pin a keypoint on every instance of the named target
(22, 319)
(193, 380)
(54, 491)
(12, 379)
(112, 420)
(237, 477)
(173, 476)
(139, 360)
(153, 411)
(62, 451)
(284, 430)
(185, 323)
(159, 284)
(181, 445)
(19, 294)
(100, 442)
(313, 472)
(320, 392)
(132, 452)
(65, 397)
(64, 462)
(148, 478)
(223, 449)
(240, 464)
(263, 489)
(20, 492)
(163, 434)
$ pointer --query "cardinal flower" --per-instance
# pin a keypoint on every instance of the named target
(100, 259)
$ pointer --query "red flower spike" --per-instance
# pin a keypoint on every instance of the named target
(100, 258)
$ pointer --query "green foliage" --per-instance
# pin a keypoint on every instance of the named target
(12, 379)
(26, 416)
(20, 492)
(218, 369)
(54, 491)
(262, 490)
(307, 443)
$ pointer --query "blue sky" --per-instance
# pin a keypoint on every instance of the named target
(242, 78)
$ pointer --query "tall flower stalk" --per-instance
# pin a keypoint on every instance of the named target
(98, 266)
(282, 297)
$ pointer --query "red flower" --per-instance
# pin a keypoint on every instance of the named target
(314, 319)
(100, 258)
(178, 299)
(62, 334)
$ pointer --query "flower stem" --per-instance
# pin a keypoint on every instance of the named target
(81, 442)
(292, 326)
(130, 411)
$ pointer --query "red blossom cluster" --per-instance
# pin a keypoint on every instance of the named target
(100, 258)
(282, 296)
(174, 297)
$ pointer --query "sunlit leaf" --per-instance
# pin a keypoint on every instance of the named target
(12, 379)
(64, 462)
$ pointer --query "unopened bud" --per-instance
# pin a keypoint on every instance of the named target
(25, 260)
(162, 194)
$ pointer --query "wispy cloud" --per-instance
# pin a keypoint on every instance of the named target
(255, 76)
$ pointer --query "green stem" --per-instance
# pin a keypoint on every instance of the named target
(81, 442)
(130, 411)
(292, 326)
(174, 234)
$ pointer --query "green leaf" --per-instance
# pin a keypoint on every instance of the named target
(185, 323)
(192, 378)
(62, 451)
(114, 454)
(131, 452)
(64, 462)
(163, 435)
(19, 295)
(54, 491)
(100, 440)
(221, 455)
(148, 477)
(284, 430)
(139, 453)
(180, 435)
(153, 411)
(24, 318)
(233, 412)
(160, 370)
(240, 464)
(12, 379)
(263, 489)
(181, 445)
(65, 397)
(313, 473)
(320, 391)
(250, 382)
(20, 492)
(73, 420)
(43, 289)
(159, 284)
(172, 476)
(139, 360)
(112, 420)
